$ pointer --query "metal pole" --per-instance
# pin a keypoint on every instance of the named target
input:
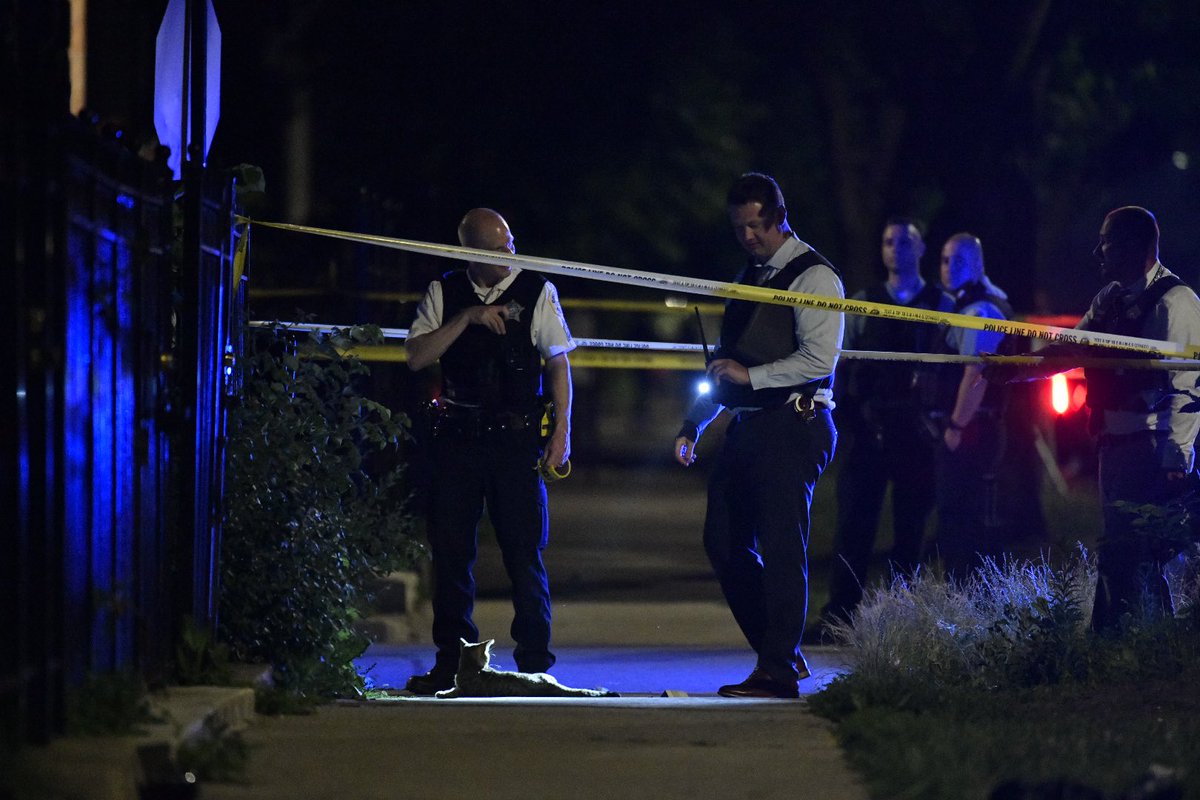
(194, 529)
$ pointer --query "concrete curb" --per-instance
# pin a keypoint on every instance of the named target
(117, 767)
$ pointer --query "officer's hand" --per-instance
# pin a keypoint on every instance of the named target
(685, 451)
(490, 317)
(952, 439)
(558, 448)
(726, 369)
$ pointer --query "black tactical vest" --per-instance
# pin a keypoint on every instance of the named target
(481, 368)
(754, 334)
(1119, 389)
(893, 384)
(976, 293)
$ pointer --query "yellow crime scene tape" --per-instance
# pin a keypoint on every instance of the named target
(633, 354)
(671, 303)
(735, 291)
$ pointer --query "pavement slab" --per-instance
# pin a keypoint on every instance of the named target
(690, 744)
(517, 748)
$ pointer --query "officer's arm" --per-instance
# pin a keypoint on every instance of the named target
(970, 394)
(427, 348)
(558, 374)
(972, 387)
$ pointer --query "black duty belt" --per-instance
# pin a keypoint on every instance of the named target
(449, 419)
(804, 406)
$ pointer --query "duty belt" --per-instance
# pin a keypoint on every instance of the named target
(449, 419)
(803, 405)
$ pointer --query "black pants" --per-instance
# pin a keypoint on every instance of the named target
(756, 528)
(497, 469)
(968, 517)
(1129, 559)
(901, 452)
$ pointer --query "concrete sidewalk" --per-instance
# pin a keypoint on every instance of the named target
(504, 748)
(692, 744)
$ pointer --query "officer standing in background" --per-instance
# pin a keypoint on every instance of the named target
(881, 412)
(973, 430)
(491, 326)
(1146, 440)
(773, 371)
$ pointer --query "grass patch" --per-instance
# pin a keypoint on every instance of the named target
(958, 690)
(964, 744)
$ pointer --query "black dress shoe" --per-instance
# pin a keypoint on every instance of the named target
(431, 682)
(802, 670)
(760, 684)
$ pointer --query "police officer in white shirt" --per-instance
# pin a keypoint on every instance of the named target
(491, 327)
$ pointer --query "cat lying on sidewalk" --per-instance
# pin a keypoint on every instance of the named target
(476, 679)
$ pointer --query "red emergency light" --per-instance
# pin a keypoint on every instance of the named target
(1068, 392)
(1060, 399)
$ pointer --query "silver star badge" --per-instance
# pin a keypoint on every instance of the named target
(513, 310)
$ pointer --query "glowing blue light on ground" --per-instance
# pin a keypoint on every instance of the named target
(628, 669)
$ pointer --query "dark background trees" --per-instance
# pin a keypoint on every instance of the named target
(609, 134)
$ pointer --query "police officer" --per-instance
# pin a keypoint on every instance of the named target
(1145, 437)
(491, 327)
(883, 413)
(973, 429)
(774, 373)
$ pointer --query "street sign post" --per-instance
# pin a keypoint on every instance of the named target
(172, 94)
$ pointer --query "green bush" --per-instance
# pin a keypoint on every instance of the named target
(315, 507)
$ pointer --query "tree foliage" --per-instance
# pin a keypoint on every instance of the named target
(610, 133)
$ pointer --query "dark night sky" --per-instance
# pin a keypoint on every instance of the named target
(609, 134)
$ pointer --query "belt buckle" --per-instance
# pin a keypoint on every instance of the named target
(806, 408)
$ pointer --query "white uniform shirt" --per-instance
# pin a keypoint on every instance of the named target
(548, 327)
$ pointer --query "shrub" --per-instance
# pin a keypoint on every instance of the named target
(1011, 623)
(1173, 529)
(315, 507)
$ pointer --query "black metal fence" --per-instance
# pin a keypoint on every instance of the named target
(110, 538)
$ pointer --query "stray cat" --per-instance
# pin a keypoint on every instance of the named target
(476, 679)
